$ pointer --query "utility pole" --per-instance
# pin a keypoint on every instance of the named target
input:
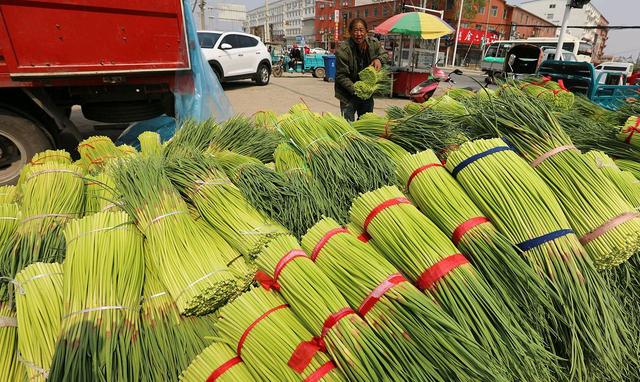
(455, 44)
(563, 30)
(565, 20)
(486, 26)
(266, 20)
(203, 3)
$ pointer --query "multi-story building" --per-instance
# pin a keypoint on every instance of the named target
(553, 11)
(219, 16)
(330, 19)
(290, 21)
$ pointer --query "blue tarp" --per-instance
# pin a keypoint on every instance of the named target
(206, 101)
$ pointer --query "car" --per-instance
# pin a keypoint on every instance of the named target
(550, 54)
(319, 51)
(613, 73)
(624, 67)
(236, 56)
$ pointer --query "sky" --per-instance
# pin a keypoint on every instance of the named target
(618, 12)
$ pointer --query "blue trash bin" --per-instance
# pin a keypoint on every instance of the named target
(329, 67)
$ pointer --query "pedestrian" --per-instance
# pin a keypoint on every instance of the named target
(353, 55)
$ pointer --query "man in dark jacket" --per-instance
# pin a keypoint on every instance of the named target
(353, 55)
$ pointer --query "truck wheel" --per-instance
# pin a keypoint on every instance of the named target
(262, 75)
(20, 140)
(319, 72)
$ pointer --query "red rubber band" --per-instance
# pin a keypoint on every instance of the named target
(268, 282)
(632, 130)
(419, 170)
(304, 353)
(381, 207)
(286, 259)
(223, 369)
(253, 325)
(465, 227)
(320, 372)
(439, 270)
(364, 237)
(324, 240)
(333, 319)
(375, 295)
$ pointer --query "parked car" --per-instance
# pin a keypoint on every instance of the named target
(236, 56)
(319, 51)
(613, 73)
(550, 54)
(624, 67)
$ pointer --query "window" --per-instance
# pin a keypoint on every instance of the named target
(481, 10)
(549, 16)
(366, 13)
(208, 40)
(230, 39)
(479, 26)
(450, 4)
(375, 11)
(385, 11)
(551, 6)
(357, 14)
(494, 11)
(246, 41)
(465, 25)
(527, 20)
(504, 14)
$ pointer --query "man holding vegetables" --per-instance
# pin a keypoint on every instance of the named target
(352, 56)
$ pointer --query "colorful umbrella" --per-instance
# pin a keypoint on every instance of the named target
(417, 24)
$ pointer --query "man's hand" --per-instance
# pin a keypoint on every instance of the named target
(376, 64)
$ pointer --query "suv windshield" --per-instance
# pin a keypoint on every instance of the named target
(208, 40)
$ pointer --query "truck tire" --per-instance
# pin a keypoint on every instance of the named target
(319, 72)
(262, 75)
(20, 140)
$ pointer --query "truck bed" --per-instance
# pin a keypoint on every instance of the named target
(71, 38)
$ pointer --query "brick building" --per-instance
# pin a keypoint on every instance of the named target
(495, 20)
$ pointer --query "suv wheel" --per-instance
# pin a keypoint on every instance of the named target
(262, 75)
(216, 71)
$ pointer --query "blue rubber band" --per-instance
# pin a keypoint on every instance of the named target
(535, 242)
(475, 157)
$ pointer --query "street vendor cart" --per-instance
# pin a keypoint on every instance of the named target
(413, 57)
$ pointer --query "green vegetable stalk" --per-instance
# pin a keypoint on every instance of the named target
(38, 291)
(591, 334)
(104, 273)
(426, 256)
(317, 302)
(409, 322)
(219, 363)
(266, 335)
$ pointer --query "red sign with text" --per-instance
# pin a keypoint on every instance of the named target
(474, 36)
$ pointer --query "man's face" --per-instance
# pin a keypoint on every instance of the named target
(358, 33)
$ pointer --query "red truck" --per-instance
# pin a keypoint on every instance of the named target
(118, 60)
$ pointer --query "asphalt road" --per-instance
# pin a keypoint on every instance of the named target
(281, 93)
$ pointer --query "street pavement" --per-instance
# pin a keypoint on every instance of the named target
(283, 92)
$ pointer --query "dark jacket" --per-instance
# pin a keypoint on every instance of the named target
(347, 66)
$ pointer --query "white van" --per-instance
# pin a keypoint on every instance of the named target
(613, 73)
(623, 67)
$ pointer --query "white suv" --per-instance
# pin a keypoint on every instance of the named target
(236, 56)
